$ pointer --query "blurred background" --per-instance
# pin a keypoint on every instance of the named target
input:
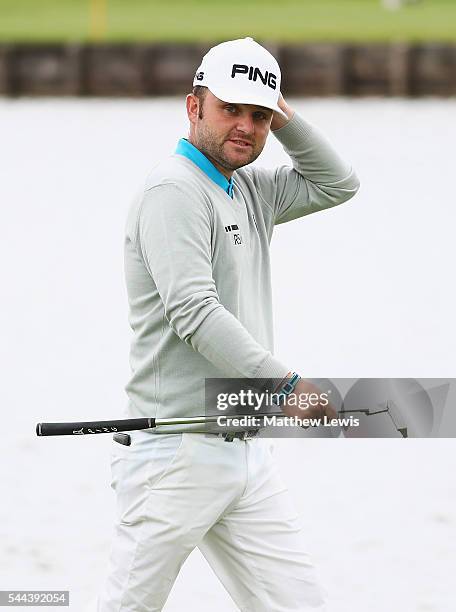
(148, 47)
(91, 97)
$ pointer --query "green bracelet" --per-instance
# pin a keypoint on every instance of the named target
(287, 388)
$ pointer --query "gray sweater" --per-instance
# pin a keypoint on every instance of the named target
(197, 269)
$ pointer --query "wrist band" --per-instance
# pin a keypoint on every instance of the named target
(286, 389)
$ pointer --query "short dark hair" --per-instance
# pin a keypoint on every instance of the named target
(200, 92)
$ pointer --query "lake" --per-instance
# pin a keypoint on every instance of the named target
(375, 298)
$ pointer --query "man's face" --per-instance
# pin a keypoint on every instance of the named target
(230, 135)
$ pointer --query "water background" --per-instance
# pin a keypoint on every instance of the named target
(374, 296)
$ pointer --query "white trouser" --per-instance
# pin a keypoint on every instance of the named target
(178, 491)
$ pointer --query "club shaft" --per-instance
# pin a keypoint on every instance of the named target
(97, 427)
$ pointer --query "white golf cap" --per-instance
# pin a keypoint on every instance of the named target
(243, 72)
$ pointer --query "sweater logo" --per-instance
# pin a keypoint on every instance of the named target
(236, 236)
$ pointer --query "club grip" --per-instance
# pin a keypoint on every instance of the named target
(93, 427)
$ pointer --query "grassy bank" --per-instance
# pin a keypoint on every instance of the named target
(191, 20)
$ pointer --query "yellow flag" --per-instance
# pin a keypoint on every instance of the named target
(98, 19)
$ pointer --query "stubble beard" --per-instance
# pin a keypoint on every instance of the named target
(208, 144)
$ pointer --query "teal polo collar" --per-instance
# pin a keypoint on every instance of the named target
(185, 148)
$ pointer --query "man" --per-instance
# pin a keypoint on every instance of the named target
(198, 280)
(394, 5)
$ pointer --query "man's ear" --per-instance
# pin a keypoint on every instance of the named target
(192, 104)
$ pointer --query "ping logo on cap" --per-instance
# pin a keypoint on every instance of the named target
(268, 78)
